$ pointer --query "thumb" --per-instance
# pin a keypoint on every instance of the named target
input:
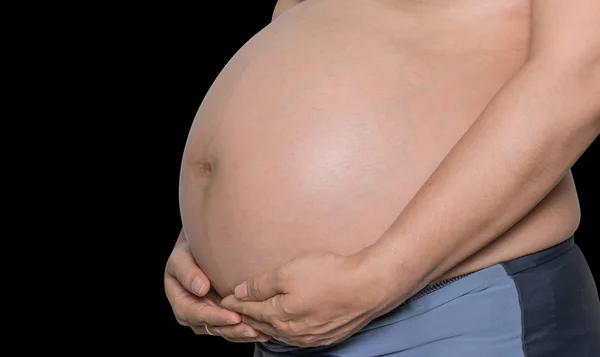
(182, 266)
(260, 288)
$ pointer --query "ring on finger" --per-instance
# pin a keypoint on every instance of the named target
(207, 330)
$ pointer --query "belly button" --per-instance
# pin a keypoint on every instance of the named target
(202, 168)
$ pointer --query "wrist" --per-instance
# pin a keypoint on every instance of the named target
(393, 273)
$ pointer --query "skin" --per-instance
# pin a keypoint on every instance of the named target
(510, 164)
(194, 302)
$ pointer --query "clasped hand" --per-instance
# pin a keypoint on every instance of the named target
(313, 300)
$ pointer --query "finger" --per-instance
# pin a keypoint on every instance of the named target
(193, 310)
(183, 267)
(261, 287)
(245, 340)
(259, 310)
(201, 330)
(239, 331)
(319, 338)
(260, 326)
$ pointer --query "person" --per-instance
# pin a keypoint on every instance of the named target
(392, 177)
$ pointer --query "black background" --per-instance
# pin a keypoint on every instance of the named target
(173, 56)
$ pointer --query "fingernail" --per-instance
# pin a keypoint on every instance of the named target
(262, 339)
(232, 321)
(197, 285)
(250, 334)
(241, 291)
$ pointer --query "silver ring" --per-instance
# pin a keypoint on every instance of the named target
(207, 331)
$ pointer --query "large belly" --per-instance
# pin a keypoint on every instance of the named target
(324, 125)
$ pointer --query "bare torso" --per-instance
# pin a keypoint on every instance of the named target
(324, 125)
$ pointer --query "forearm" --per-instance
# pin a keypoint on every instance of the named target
(526, 139)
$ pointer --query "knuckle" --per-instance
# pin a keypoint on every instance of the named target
(253, 289)
(239, 330)
(184, 276)
(172, 266)
(282, 275)
(179, 316)
(280, 326)
(295, 328)
(287, 309)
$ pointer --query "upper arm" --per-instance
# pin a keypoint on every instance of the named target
(566, 30)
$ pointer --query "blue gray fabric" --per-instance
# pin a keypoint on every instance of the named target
(540, 305)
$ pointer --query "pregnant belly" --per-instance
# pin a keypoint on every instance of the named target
(316, 137)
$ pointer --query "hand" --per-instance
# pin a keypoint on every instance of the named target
(314, 300)
(196, 305)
